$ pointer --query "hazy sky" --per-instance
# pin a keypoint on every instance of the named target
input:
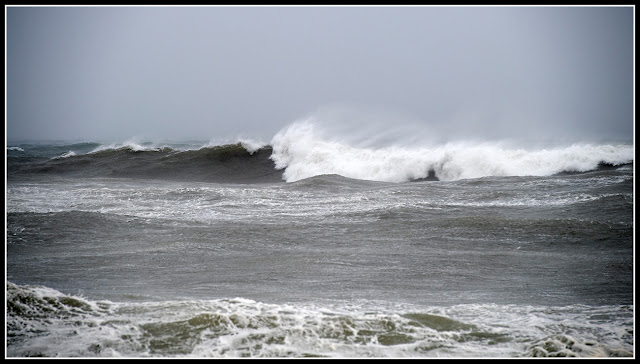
(113, 73)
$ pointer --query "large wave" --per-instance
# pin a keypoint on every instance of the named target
(309, 148)
(304, 150)
(242, 162)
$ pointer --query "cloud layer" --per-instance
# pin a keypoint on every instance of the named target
(112, 73)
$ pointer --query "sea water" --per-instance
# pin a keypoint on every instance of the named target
(308, 247)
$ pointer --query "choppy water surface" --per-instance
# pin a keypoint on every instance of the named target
(117, 252)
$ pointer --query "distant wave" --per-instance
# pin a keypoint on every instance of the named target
(66, 155)
(48, 151)
(301, 153)
(130, 146)
(233, 163)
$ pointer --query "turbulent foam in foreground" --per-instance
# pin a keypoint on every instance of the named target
(44, 322)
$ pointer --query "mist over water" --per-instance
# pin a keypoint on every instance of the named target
(383, 147)
(323, 143)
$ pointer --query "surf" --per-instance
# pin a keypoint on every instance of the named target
(303, 150)
(42, 321)
(310, 147)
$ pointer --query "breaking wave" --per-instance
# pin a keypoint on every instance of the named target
(302, 152)
(45, 322)
(242, 162)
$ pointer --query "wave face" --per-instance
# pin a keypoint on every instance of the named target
(303, 151)
(233, 163)
(44, 322)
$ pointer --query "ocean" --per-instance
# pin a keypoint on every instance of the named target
(307, 247)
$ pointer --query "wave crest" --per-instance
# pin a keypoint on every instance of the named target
(242, 162)
(303, 150)
(302, 153)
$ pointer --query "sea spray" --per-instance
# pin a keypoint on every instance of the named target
(45, 322)
(251, 145)
(309, 148)
(304, 151)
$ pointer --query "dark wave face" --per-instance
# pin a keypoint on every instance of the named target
(48, 151)
(231, 163)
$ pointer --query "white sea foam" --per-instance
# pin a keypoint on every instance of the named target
(251, 145)
(129, 144)
(305, 151)
(17, 149)
(43, 321)
(66, 155)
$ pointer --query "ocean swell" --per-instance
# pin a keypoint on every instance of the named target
(303, 150)
(242, 162)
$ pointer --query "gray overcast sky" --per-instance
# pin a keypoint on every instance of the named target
(112, 73)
